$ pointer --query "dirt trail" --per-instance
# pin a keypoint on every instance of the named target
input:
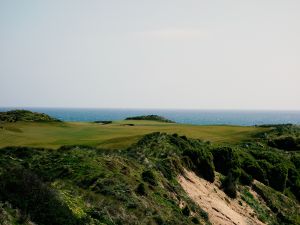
(221, 209)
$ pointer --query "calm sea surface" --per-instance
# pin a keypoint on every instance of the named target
(231, 117)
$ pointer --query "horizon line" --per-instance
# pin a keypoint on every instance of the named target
(146, 108)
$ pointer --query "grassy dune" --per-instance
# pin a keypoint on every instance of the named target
(118, 134)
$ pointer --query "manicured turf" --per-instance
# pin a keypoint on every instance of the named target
(119, 134)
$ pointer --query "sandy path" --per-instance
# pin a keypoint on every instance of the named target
(221, 209)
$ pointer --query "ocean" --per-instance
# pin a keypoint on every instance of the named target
(197, 117)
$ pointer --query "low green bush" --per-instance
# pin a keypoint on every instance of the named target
(285, 143)
(251, 167)
(245, 178)
(186, 211)
(278, 177)
(201, 162)
(141, 190)
(229, 185)
(149, 177)
(225, 159)
(25, 190)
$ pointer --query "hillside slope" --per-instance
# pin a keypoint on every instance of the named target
(25, 116)
(149, 183)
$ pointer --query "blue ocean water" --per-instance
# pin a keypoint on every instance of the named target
(199, 117)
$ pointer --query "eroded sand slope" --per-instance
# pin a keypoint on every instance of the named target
(221, 209)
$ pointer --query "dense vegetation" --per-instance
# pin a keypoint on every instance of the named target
(138, 185)
(283, 136)
(84, 185)
(25, 116)
(151, 117)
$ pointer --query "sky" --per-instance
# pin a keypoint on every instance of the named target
(191, 54)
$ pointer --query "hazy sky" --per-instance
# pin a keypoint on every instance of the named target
(202, 54)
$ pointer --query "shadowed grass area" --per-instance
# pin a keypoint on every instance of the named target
(119, 134)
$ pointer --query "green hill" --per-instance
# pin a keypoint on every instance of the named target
(151, 117)
(25, 116)
(149, 173)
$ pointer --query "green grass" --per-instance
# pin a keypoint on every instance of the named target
(261, 210)
(287, 210)
(116, 135)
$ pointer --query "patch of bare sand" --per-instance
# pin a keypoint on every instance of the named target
(221, 209)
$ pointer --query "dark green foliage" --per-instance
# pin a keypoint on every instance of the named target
(103, 121)
(170, 166)
(141, 189)
(150, 117)
(273, 168)
(25, 115)
(266, 167)
(269, 155)
(251, 167)
(282, 129)
(229, 185)
(171, 152)
(225, 159)
(245, 178)
(195, 220)
(11, 216)
(293, 182)
(158, 220)
(200, 161)
(283, 136)
(278, 177)
(186, 211)
(296, 161)
(149, 177)
(27, 192)
(286, 143)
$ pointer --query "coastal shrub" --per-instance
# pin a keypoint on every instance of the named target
(278, 177)
(141, 189)
(170, 167)
(158, 220)
(150, 117)
(201, 162)
(245, 178)
(25, 115)
(296, 161)
(23, 189)
(186, 211)
(149, 177)
(225, 159)
(286, 143)
(251, 167)
(293, 182)
(195, 220)
(265, 166)
(229, 185)
(269, 155)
